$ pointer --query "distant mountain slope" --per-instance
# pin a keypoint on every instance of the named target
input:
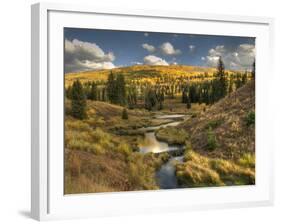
(230, 121)
(140, 71)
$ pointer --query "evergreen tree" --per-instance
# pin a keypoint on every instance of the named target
(184, 96)
(188, 103)
(68, 92)
(121, 89)
(230, 85)
(93, 92)
(254, 70)
(238, 81)
(150, 99)
(111, 88)
(78, 100)
(222, 91)
(244, 78)
(192, 94)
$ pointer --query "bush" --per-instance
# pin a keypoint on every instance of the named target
(247, 160)
(211, 140)
(214, 123)
(250, 118)
(125, 114)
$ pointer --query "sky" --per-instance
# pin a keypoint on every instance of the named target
(94, 49)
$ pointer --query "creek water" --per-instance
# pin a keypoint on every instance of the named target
(165, 176)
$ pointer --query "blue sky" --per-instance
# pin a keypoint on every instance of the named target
(90, 49)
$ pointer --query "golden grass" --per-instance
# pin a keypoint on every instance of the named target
(171, 135)
(143, 73)
(230, 135)
(198, 171)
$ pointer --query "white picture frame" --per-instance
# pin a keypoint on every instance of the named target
(48, 201)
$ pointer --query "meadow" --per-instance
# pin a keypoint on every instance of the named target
(123, 125)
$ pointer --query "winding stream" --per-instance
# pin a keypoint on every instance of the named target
(165, 177)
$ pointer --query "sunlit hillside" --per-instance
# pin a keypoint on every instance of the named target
(146, 73)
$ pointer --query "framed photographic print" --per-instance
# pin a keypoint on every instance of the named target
(148, 111)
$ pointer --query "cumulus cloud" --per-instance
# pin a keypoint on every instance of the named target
(168, 49)
(240, 58)
(148, 47)
(82, 56)
(154, 60)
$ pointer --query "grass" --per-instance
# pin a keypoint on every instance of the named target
(199, 171)
(101, 151)
(171, 135)
(226, 129)
(247, 160)
(99, 160)
(213, 124)
(114, 171)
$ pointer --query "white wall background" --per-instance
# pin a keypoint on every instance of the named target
(15, 111)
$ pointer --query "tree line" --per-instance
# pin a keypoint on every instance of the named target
(116, 91)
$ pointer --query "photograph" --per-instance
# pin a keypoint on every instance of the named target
(154, 110)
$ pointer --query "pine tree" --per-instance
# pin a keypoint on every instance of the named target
(188, 103)
(222, 79)
(121, 89)
(184, 96)
(230, 85)
(244, 78)
(68, 92)
(111, 88)
(254, 70)
(150, 99)
(78, 100)
(93, 92)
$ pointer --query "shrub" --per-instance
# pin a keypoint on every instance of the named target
(214, 123)
(125, 114)
(211, 140)
(247, 160)
(124, 149)
(250, 118)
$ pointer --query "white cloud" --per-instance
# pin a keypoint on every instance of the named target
(146, 34)
(240, 58)
(136, 63)
(82, 56)
(168, 49)
(191, 48)
(148, 47)
(154, 60)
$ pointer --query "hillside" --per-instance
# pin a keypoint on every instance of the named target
(140, 71)
(221, 146)
(227, 120)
